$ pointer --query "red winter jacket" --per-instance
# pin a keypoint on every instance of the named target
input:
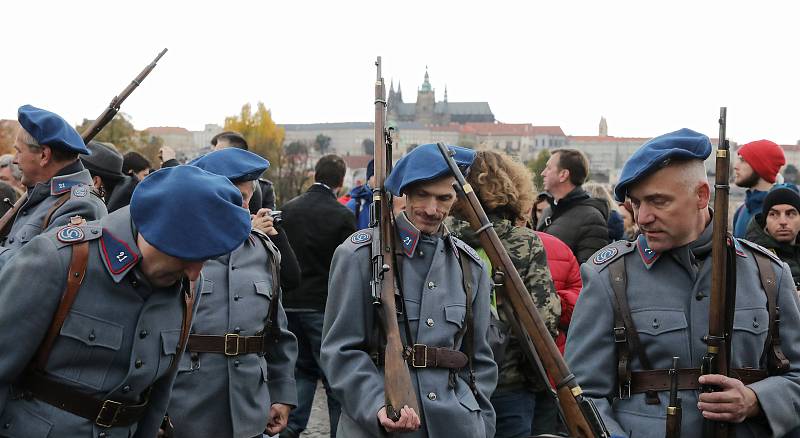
(567, 278)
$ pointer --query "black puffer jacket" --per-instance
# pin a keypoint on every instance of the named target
(789, 253)
(580, 221)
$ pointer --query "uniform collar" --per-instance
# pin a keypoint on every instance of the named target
(700, 248)
(410, 235)
(118, 247)
(71, 175)
(649, 256)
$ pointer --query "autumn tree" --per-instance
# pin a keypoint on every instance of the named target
(264, 138)
(295, 174)
(536, 166)
(8, 133)
(121, 133)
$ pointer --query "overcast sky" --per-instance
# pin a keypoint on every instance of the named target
(648, 67)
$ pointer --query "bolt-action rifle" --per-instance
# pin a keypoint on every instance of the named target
(723, 282)
(113, 108)
(580, 414)
(674, 409)
(397, 378)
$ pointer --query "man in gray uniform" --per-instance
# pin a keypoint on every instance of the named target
(434, 267)
(101, 361)
(240, 348)
(623, 337)
(59, 187)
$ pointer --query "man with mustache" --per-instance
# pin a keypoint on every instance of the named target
(644, 302)
(440, 278)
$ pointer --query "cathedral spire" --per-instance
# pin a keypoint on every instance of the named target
(426, 84)
(445, 93)
(603, 127)
(399, 93)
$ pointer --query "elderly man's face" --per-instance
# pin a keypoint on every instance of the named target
(783, 223)
(429, 203)
(29, 161)
(666, 208)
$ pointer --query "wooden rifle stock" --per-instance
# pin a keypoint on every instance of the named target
(397, 378)
(582, 418)
(722, 297)
(8, 218)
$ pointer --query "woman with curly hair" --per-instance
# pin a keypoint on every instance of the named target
(505, 191)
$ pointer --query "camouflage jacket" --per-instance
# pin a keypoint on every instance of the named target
(527, 253)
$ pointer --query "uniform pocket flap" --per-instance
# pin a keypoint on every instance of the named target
(264, 287)
(92, 331)
(455, 313)
(753, 320)
(466, 397)
(169, 341)
(207, 287)
(656, 322)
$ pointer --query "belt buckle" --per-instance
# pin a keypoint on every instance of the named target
(235, 338)
(416, 348)
(108, 404)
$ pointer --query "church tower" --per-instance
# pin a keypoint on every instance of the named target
(425, 101)
(603, 127)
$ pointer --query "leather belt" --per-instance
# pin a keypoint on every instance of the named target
(659, 380)
(104, 413)
(229, 345)
(422, 356)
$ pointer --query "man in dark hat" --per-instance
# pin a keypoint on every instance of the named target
(240, 346)
(47, 149)
(101, 361)
(441, 277)
(105, 166)
(778, 225)
(647, 301)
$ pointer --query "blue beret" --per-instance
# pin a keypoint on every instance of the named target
(232, 163)
(189, 213)
(683, 144)
(49, 129)
(425, 163)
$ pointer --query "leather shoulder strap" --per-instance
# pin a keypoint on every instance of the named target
(626, 338)
(468, 329)
(186, 322)
(75, 276)
(773, 355)
(49, 216)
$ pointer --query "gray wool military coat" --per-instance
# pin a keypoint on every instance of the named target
(230, 396)
(119, 338)
(435, 304)
(669, 300)
(82, 202)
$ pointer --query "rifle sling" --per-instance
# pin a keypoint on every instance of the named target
(272, 330)
(467, 329)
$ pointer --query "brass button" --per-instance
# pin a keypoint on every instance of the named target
(431, 396)
(431, 285)
(143, 334)
(755, 323)
(138, 363)
(237, 330)
(656, 323)
(92, 337)
(421, 253)
(429, 322)
(236, 297)
(236, 363)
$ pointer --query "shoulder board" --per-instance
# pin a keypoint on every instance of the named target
(611, 252)
(72, 234)
(466, 249)
(758, 248)
(360, 237)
